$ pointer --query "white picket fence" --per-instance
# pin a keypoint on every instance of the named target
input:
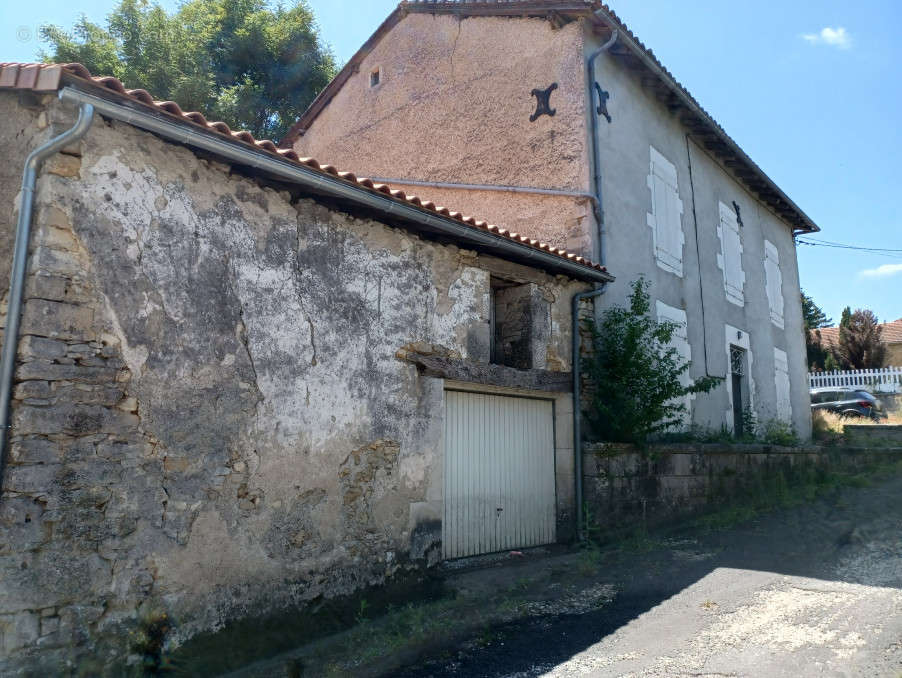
(882, 380)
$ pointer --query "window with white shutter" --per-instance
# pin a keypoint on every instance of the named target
(781, 379)
(666, 216)
(680, 342)
(730, 258)
(773, 277)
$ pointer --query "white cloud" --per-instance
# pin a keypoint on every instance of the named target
(882, 271)
(834, 37)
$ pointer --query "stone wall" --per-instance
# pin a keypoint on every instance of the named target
(626, 489)
(210, 420)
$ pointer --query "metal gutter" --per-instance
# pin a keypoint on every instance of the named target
(334, 187)
(490, 187)
(20, 261)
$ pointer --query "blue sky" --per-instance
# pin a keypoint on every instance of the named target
(809, 89)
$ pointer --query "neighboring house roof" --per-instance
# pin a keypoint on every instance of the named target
(890, 333)
(51, 77)
(629, 49)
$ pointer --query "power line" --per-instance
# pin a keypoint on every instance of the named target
(851, 247)
(879, 251)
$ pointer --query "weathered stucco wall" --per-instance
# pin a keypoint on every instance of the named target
(453, 105)
(468, 122)
(640, 121)
(209, 416)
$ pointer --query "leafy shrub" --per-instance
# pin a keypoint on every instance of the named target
(635, 373)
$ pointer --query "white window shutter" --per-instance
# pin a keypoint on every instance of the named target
(680, 342)
(665, 219)
(781, 380)
(774, 283)
(730, 258)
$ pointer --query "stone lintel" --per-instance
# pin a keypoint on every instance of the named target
(492, 375)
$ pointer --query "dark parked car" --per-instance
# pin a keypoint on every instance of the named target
(847, 402)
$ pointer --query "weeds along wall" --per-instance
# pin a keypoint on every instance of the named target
(209, 418)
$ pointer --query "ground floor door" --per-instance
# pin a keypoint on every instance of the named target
(499, 489)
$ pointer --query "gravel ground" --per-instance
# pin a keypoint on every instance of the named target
(810, 591)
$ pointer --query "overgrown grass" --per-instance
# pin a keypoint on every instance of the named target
(788, 486)
(827, 428)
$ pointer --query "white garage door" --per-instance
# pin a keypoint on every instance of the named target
(499, 473)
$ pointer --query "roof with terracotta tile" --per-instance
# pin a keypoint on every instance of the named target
(678, 98)
(51, 77)
(890, 333)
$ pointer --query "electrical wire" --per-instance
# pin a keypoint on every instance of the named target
(880, 251)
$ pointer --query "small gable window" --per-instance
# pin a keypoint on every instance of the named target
(375, 77)
(666, 216)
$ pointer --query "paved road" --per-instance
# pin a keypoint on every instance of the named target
(811, 591)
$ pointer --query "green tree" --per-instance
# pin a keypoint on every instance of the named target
(251, 64)
(635, 373)
(860, 346)
(814, 318)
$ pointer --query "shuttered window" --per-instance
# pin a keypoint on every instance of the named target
(680, 342)
(666, 216)
(781, 379)
(730, 258)
(773, 277)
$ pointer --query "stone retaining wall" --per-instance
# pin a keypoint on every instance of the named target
(625, 488)
(879, 435)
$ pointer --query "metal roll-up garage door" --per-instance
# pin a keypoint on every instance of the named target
(499, 473)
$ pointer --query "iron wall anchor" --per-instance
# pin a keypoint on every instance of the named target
(543, 102)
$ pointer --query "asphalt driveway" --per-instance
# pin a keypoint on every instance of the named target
(811, 591)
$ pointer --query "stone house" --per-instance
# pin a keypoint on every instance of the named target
(245, 380)
(890, 335)
(554, 120)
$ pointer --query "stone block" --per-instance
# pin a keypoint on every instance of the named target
(18, 631)
(47, 235)
(49, 625)
(35, 451)
(57, 320)
(32, 389)
(41, 347)
(63, 165)
(45, 285)
(20, 525)
(73, 419)
(35, 480)
(58, 262)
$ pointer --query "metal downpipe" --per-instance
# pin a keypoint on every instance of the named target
(20, 263)
(596, 159)
(576, 358)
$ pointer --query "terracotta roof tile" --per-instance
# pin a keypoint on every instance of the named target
(49, 77)
(890, 333)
